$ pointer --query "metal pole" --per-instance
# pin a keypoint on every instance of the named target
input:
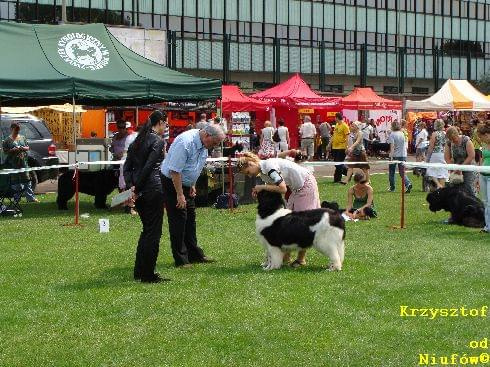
(63, 12)
(75, 128)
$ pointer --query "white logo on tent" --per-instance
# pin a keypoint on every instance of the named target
(83, 51)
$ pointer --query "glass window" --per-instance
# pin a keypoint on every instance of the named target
(339, 38)
(293, 32)
(481, 11)
(217, 26)
(294, 12)
(391, 4)
(472, 10)
(371, 3)
(174, 8)
(411, 5)
(257, 30)
(270, 30)
(429, 7)
(190, 26)
(463, 9)
(282, 31)
(306, 36)
(438, 7)
(203, 28)
(257, 11)
(401, 5)
(381, 4)
(360, 38)
(145, 21)
(328, 36)
(174, 23)
(446, 8)
(282, 11)
(231, 27)
(203, 8)
(231, 9)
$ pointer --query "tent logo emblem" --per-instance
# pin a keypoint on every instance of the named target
(83, 51)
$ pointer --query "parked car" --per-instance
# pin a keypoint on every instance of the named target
(42, 150)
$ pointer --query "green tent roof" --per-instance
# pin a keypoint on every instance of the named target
(50, 63)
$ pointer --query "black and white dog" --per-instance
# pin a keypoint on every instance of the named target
(281, 230)
(466, 209)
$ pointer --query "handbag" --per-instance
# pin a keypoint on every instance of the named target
(223, 201)
(275, 137)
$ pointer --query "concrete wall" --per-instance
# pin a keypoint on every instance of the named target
(149, 43)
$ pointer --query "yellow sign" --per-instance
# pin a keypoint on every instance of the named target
(331, 114)
(306, 110)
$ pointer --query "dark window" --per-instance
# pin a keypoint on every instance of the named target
(328, 36)
(190, 27)
(262, 85)
(306, 36)
(244, 31)
(388, 89)
(371, 41)
(293, 36)
(174, 23)
(257, 30)
(270, 31)
(144, 20)
(232, 27)
(334, 88)
(381, 42)
(27, 12)
(339, 38)
(420, 90)
(29, 131)
(203, 29)
(217, 28)
(428, 43)
(282, 31)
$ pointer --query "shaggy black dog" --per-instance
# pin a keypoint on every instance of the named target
(333, 205)
(98, 184)
(466, 209)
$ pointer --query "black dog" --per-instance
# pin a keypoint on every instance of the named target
(333, 205)
(98, 184)
(466, 209)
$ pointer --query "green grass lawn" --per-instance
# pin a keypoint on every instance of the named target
(67, 297)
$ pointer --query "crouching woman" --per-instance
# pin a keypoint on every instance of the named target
(279, 175)
(360, 203)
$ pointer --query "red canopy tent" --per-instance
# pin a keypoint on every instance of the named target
(295, 93)
(233, 100)
(366, 99)
(293, 98)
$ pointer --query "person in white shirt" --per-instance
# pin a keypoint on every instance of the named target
(283, 132)
(367, 133)
(122, 184)
(280, 175)
(307, 132)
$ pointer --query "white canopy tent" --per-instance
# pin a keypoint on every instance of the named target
(454, 95)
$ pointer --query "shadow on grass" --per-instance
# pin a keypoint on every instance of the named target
(257, 269)
(116, 277)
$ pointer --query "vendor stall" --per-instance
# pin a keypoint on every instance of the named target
(382, 110)
(293, 95)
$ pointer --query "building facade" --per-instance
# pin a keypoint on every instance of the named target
(407, 46)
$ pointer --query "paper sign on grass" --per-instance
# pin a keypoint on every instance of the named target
(103, 225)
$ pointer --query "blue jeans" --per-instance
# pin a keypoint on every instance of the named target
(26, 189)
(401, 171)
(485, 197)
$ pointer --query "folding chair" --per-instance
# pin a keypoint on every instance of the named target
(12, 187)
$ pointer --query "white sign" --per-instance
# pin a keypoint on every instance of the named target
(383, 120)
(350, 115)
(103, 225)
(83, 51)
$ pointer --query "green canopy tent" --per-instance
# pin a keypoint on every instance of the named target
(52, 64)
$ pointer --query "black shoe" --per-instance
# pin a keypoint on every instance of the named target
(409, 188)
(156, 278)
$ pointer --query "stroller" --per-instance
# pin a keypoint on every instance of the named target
(12, 187)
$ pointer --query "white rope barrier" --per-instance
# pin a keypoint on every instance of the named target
(450, 167)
